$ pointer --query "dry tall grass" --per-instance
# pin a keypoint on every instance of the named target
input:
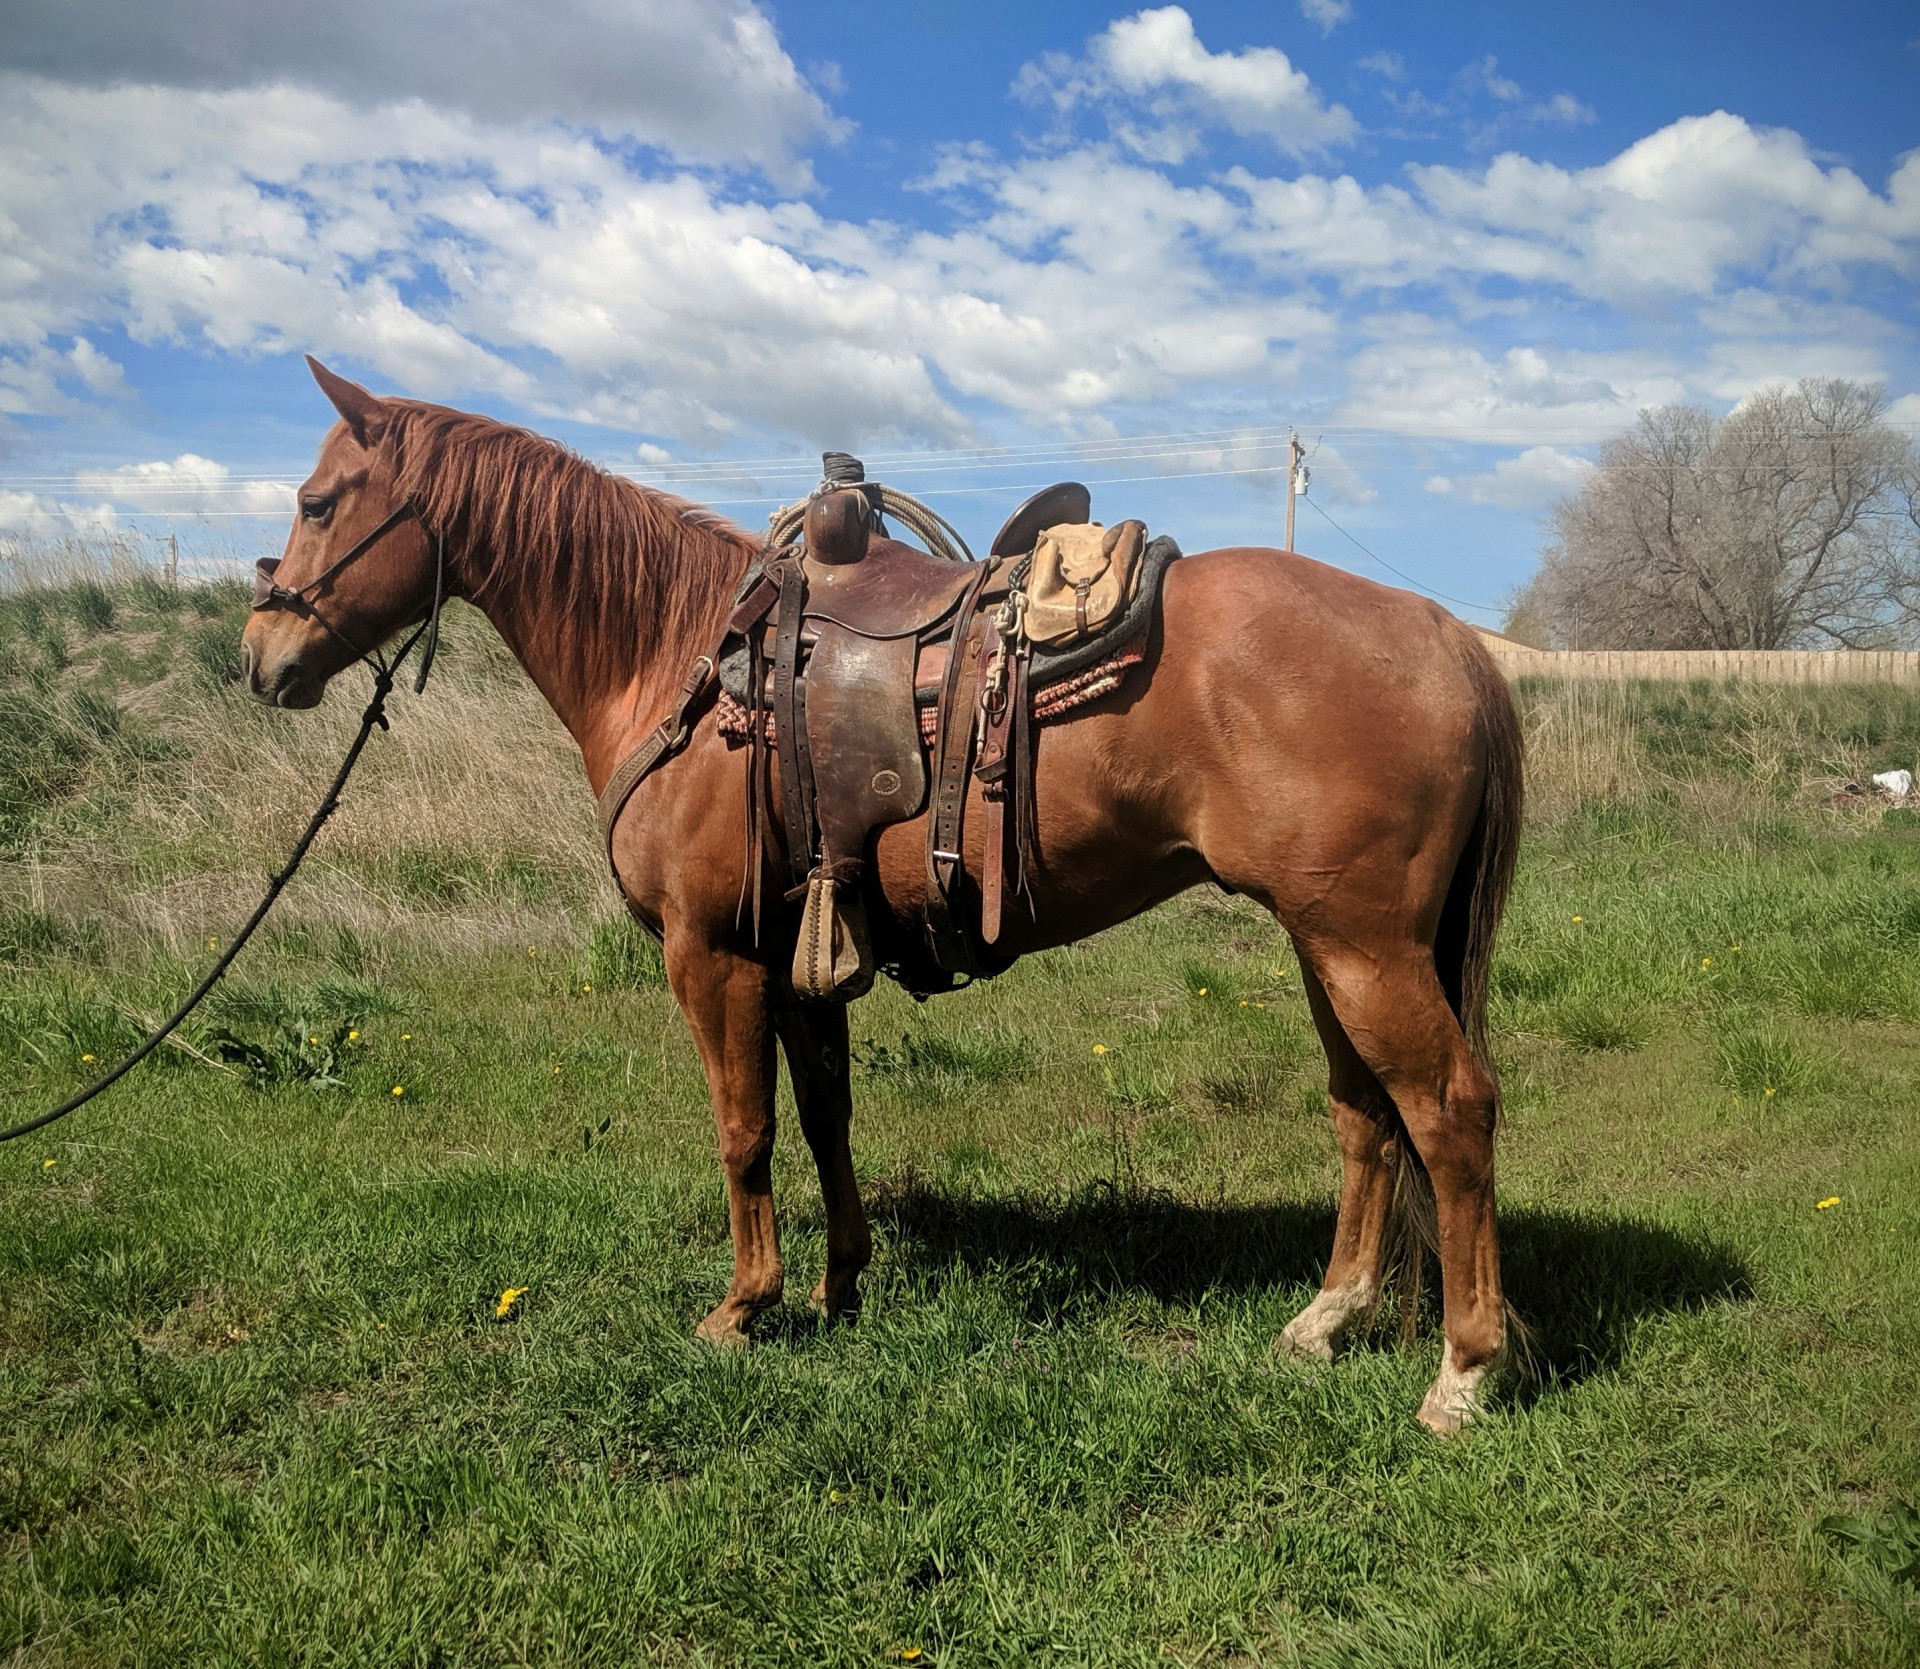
(470, 823)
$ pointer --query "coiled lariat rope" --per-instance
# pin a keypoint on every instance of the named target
(935, 532)
(375, 717)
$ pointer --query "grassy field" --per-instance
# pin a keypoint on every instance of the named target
(259, 1403)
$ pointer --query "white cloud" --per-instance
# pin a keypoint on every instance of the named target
(1563, 110)
(1156, 62)
(34, 516)
(1329, 14)
(185, 486)
(1905, 410)
(1485, 77)
(1420, 382)
(1530, 482)
(707, 80)
(1072, 286)
(1682, 209)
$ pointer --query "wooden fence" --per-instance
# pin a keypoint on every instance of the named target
(1756, 666)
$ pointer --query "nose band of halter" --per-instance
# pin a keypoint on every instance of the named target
(268, 592)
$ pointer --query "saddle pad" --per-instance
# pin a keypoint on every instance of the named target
(1050, 705)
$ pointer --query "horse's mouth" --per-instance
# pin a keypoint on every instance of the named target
(289, 686)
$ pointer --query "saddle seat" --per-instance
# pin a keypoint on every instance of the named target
(893, 591)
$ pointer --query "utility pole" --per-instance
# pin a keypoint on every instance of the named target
(173, 560)
(1296, 478)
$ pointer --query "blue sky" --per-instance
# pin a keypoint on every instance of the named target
(991, 244)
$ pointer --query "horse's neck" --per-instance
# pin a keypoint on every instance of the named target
(608, 694)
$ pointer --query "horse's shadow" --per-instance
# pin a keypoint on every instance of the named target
(1580, 1281)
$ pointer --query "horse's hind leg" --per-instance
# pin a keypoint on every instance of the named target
(815, 1038)
(1364, 1123)
(1393, 1010)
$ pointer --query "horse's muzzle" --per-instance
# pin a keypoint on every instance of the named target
(281, 681)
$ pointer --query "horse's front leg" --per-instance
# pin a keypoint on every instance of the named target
(725, 1000)
(815, 1038)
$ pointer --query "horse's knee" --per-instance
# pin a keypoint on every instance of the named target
(745, 1148)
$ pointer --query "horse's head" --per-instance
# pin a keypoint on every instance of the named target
(358, 566)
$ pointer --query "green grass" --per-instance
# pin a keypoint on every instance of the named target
(256, 1405)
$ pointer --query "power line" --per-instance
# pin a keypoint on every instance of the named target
(1483, 608)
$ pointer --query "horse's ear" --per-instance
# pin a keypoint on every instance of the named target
(366, 414)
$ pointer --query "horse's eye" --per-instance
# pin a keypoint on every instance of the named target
(315, 508)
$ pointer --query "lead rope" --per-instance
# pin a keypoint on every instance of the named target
(374, 717)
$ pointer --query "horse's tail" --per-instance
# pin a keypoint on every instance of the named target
(1463, 953)
(1463, 945)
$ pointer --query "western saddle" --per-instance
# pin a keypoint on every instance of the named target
(878, 680)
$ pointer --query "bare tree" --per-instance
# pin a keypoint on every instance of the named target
(1794, 521)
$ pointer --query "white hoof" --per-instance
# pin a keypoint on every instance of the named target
(1459, 1396)
(1317, 1332)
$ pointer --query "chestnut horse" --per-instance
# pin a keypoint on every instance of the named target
(1346, 754)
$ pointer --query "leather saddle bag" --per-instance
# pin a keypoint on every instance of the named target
(1083, 576)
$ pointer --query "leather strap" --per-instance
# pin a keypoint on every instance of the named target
(790, 722)
(1004, 768)
(949, 942)
(674, 731)
(992, 771)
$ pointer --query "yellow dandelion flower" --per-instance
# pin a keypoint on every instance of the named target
(586, 990)
(909, 1654)
(834, 1498)
(1201, 992)
(313, 1040)
(1099, 1048)
(1579, 918)
(556, 1072)
(86, 1060)
(1243, 1002)
(213, 944)
(531, 951)
(1827, 1204)
(48, 1164)
(1769, 1090)
(353, 1037)
(508, 1299)
(1706, 961)
(406, 1037)
(1259, 1005)
(399, 1089)
(1733, 947)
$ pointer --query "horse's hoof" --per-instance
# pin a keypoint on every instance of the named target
(1309, 1343)
(1317, 1332)
(726, 1328)
(1308, 1339)
(1459, 1396)
(835, 1303)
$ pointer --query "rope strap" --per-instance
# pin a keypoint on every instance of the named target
(375, 717)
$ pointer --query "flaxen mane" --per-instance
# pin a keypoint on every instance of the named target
(568, 541)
